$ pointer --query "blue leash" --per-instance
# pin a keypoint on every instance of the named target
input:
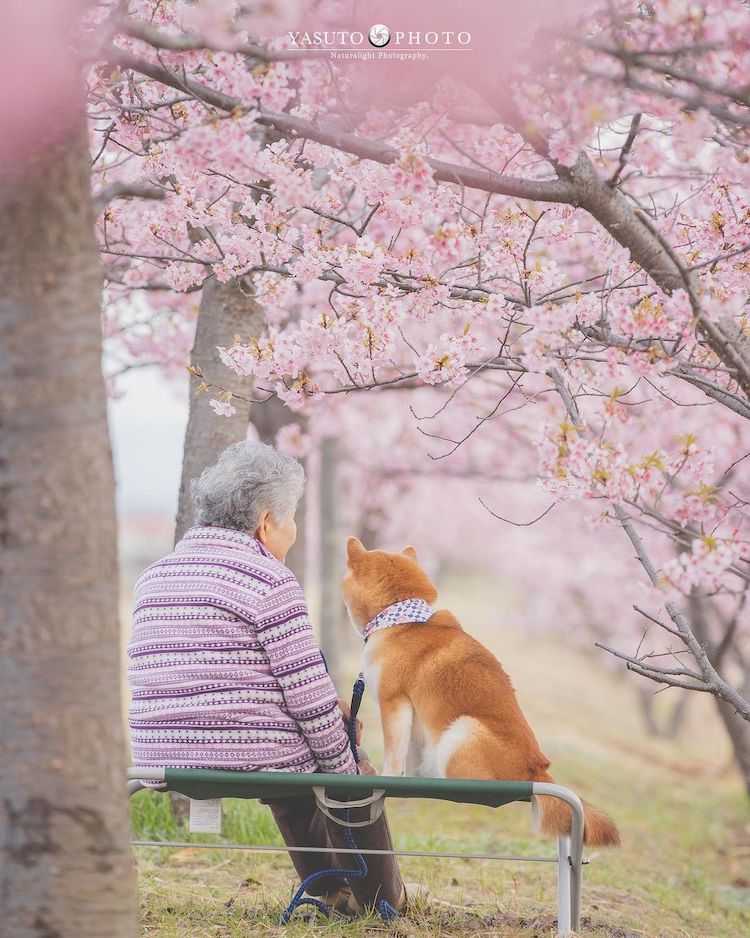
(386, 910)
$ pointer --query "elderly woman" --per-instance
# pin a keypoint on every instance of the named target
(225, 671)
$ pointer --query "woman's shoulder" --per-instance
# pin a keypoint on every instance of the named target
(235, 558)
(227, 545)
(281, 573)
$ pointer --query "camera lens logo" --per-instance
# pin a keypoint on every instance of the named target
(379, 35)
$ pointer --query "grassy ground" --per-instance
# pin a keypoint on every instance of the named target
(683, 870)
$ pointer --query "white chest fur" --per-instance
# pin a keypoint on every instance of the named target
(371, 670)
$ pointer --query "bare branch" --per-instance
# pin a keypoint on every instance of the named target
(743, 249)
(660, 675)
(517, 524)
(722, 395)
(635, 123)
(567, 398)
(709, 676)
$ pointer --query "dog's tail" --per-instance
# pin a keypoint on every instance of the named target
(552, 817)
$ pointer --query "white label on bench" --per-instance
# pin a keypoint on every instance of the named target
(205, 816)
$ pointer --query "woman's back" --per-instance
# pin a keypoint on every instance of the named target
(224, 669)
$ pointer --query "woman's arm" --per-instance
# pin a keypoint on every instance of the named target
(284, 630)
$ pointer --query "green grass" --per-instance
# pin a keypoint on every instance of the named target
(246, 822)
(151, 818)
(683, 870)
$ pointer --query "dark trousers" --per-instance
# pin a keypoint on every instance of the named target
(302, 824)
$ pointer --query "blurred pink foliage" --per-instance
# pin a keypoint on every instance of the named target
(40, 81)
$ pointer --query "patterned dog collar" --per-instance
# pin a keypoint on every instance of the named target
(408, 610)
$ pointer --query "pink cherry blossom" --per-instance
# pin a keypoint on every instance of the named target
(222, 408)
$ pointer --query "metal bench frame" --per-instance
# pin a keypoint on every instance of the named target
(209, 783)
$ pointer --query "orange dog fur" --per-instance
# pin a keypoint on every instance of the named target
(447, 707)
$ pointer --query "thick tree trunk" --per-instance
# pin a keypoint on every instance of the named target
(66, 867)
(227, 309)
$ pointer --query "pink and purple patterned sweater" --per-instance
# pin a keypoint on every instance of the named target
(224, 668)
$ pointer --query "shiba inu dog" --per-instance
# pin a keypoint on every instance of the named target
(447, 707)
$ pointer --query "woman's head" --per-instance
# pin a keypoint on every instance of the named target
(252, 487)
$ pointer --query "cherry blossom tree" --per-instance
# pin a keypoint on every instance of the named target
(543, 255)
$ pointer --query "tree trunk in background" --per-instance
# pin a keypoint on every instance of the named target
(367, 529)
(331, 556)
(662, 725)
(737, 728)
(739, 734)
(66, 867)
(268, 418)
(227, 309)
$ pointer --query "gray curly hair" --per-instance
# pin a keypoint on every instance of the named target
(246, 480)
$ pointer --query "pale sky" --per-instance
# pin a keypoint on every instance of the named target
(147, 425)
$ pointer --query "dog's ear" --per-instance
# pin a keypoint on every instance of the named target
(410, 553)
(354, 550)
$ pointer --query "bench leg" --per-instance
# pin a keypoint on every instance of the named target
(569, 873)
(576, 867)
(564, 887)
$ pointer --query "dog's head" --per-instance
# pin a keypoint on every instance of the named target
(375, 579)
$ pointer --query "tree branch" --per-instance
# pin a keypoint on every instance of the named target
(722, 395)
(710, 680)
(635, 124)
(648, 248)
(552, 190)
(124, 190)
(186, 43)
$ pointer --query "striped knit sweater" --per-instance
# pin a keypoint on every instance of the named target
(224, 668)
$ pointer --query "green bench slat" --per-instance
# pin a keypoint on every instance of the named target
(216, 783)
